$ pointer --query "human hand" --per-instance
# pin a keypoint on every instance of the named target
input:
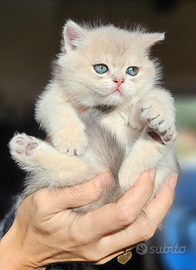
(46, 230)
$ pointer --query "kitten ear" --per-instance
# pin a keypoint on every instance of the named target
(73, 35)
(151, 39)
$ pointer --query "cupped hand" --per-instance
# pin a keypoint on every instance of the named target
(46, 229)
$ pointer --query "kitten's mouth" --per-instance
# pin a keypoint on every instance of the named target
(117, 91)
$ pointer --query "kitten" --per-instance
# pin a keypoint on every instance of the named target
(103, 110)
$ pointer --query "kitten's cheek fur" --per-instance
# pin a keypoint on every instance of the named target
(118, 140)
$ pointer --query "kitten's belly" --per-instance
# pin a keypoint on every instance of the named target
(132, 135)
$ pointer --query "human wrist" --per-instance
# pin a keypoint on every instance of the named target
(12, 255)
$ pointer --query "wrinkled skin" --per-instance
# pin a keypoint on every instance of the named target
(47, 230)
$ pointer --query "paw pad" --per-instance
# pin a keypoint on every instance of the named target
(31, 148)
(22, 148)
(19, 142)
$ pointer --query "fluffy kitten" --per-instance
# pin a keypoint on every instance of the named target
(103, 110)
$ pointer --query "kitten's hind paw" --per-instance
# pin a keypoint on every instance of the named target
(22, 148)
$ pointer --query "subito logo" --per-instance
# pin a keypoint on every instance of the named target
(141, 249)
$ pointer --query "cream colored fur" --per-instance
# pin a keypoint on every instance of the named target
(77, 84)
(139, 107)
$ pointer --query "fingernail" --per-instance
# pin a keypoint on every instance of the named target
(173, 181)
(103, 180)
(152, 174)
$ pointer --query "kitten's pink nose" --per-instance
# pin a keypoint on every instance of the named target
(118, 81)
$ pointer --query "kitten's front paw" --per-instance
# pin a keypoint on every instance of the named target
(159, 118)
(70, 140)
(22, 148)
(167, 138)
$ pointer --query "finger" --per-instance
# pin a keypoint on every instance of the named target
(145, 226)
(163, 200)
(116, 216)
(57, 200)
(113, 255)
(85, 193)
(109, 258)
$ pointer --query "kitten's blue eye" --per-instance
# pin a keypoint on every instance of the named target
(100, 68)
(132, 71)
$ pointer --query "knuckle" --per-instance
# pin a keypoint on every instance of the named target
(86, 191)
(146, 228)
(80, 239)
(94, 256)
(125, 215)
(77, 192)
(39, 201)
(146, 235)
(149, 234)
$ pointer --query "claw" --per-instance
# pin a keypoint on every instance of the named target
(161, 122)
(163, 133)
(155, 137)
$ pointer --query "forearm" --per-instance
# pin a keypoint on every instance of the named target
(53, 107)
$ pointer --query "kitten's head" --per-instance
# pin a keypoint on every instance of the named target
(106, 65)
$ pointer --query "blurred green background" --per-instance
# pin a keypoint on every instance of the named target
(186, 124)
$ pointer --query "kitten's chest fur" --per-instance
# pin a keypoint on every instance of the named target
(123, 123)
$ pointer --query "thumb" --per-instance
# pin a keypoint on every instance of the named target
(82, 194)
